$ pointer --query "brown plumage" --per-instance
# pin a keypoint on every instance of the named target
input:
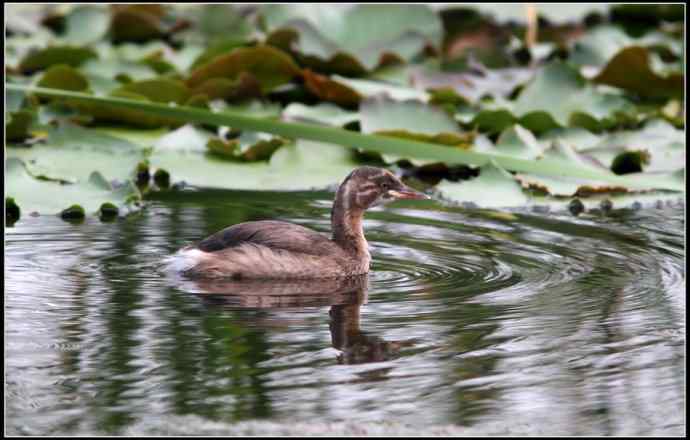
(276, 249)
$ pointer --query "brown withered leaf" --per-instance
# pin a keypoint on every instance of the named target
(330, 90)
(270, 66)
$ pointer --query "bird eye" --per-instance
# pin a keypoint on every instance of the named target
(385, 186)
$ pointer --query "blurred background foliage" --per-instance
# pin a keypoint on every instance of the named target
(597, 87)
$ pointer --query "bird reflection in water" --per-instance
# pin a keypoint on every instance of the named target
(345, 296)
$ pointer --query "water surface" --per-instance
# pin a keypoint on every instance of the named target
(492, 322)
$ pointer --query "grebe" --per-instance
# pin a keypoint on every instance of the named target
(274, 249)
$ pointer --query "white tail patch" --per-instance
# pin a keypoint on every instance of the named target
(183, 260)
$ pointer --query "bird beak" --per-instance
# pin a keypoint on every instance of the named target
(407, 193)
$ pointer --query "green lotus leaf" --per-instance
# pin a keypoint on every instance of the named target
(494, 187)
(664, 145)
(47, 197)
(573, 186)
(248, 146)
(301, 166)
(223, 22)
(86, 24)
(364, 34)
(517, 141)
(71, 153)
(323, 113)
(560, 97)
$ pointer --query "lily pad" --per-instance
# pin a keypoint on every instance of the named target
(17, 125)
(271, 67)
(44, 58)
(358, 38)
(220, 47)
(245, 86)
(46, 197)
(472, 86)
(348, 92)
(62, 76)
(248, 146)
(323, 113)
(72, 153)
(664, 144)
(219, 22)
(631, 69)
(569, 186)
(116, 69)
(493, 188)
(517, 141)
(139, 23)
(86, 24)
(300, 166)
(159, 90)
(560, 96)
(411, 120)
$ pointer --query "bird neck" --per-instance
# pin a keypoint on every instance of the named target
(346, 223)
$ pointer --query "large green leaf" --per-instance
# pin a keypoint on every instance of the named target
(494, 187)
(471, 86)
(355, 38)
(304, 165)
(86, 24)
(71, 153)
(323, 113)
(560, 96)
(47, 197)
(664, 144)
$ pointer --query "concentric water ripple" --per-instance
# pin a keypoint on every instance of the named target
(468, 317)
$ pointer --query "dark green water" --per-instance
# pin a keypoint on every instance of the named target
(491, 322)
